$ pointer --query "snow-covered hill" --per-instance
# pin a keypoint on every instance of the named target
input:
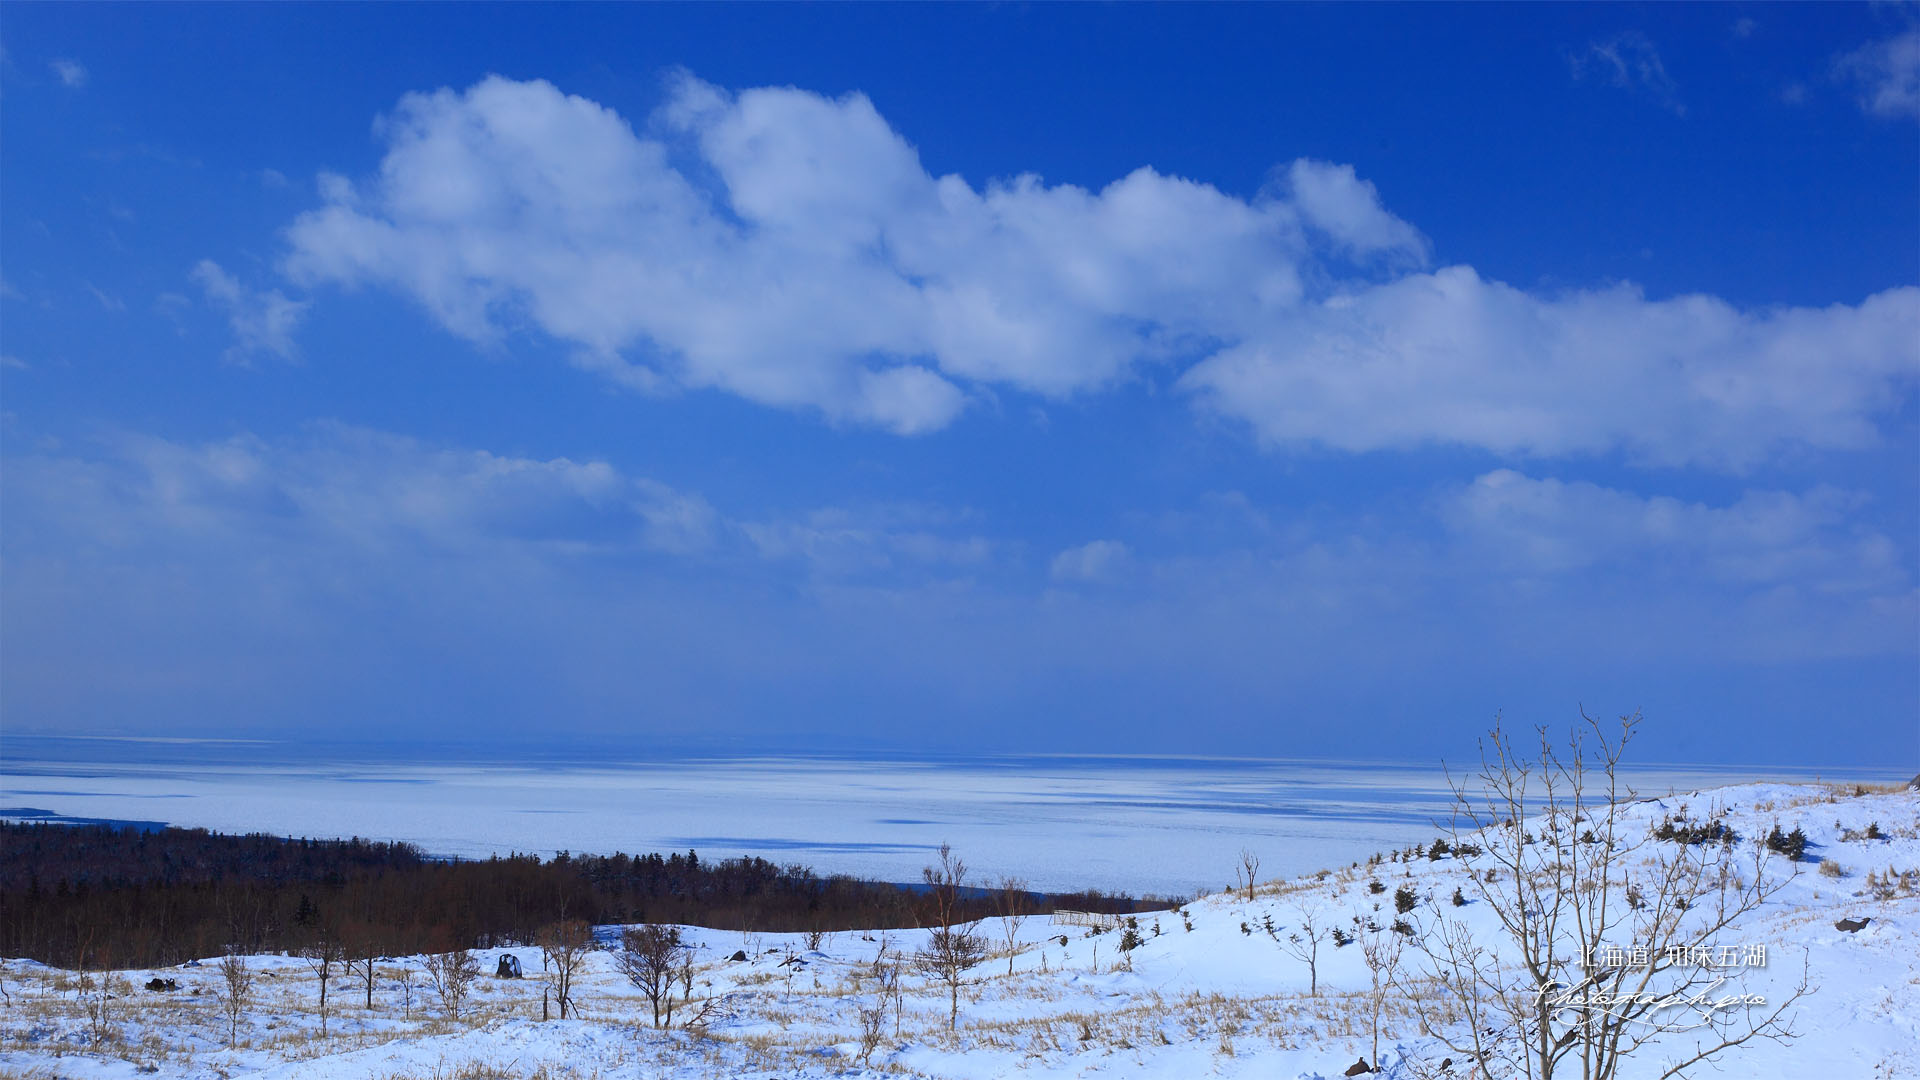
(1210, 990)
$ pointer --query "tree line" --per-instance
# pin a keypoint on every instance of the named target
(105, 896)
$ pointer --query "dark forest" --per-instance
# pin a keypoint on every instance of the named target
(104, 896)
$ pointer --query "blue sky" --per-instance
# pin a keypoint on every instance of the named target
(1263, 380)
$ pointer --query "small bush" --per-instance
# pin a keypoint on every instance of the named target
(1681, 831)
(1793, 845)
(1459, 898)
(1829, 868)
(1375, 887)
(1404, 899)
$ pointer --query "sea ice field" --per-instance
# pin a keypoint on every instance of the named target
(1143, 825)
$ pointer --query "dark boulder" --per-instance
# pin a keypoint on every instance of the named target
(161, 986)
(1359, 1068)
(509, 967)
(739, 955)
(1852, 926)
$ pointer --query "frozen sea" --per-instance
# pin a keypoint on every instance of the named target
(1144, 825)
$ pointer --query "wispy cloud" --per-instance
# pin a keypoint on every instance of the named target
(71, 73)
(106, 300)
(1631, 62)
(263, 321)
(1097, 560)
(1887, 74)
(347, 572)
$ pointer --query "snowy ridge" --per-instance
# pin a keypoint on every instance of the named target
(1208, 991)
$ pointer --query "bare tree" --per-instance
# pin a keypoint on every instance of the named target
(1600, 924)
(1015, 902)
(1303, 944)
(452, 975)
(405, 979)
(951, 950)
(651, 956)
(564, 947)
(1247, 871)
(235, 991)
(323, 955)
(360, 945)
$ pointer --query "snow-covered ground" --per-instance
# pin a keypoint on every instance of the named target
(1208, 992)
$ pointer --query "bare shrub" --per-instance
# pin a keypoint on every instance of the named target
(1381, 951)
(235, 991)
(1574, 981)
(451, 974)
(873, 1028)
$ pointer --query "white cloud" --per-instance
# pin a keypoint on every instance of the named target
(1888, 74)
(262, 321)
(1630, 62)
(791, 249)
(70, 73)
(828, 270)
(1448, 358)
(1336, 201)
(1097, 560)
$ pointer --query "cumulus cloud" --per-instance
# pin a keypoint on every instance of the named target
(1887, 73)
(1449, 358)
(263, 321)
(1630, 62)
(791, 248)
(71, 73)
(821, 267)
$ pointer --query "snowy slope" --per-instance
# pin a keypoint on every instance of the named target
(1209, 992)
